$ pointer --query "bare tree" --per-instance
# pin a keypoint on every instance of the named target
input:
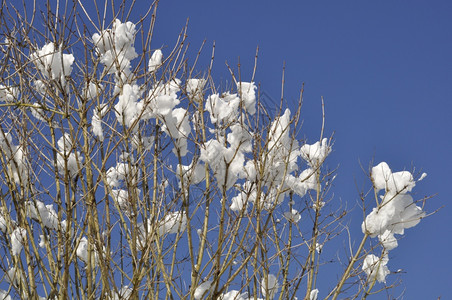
(127, 175)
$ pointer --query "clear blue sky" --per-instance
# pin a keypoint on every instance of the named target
(384, 69)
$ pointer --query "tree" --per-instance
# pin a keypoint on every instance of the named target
(127, 175)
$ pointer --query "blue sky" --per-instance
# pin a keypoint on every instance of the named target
(385, 71)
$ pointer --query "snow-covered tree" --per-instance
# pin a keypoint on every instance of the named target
(126, 175)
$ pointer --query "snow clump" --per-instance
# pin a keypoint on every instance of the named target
(8, 94)
(396, 212)
(315, 154)
(293, 215)
(202, 288)
(67, 160)
(82, 252)
(115, 48)
(269, 285)
(46, 213)
(17, 240)
(195, 87)
(155, 61)
(376, 268)
(18, 169)
(313, 295)
(52, 63)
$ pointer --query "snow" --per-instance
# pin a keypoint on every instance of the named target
(423, 175)
(248, 96)
(212, 154)
(315, 154)
(37, 112)
(122, 198)
(293, 215)
(313, 294)
(393, 183)
(115, 47)
(18, 237)
(124, 293)
(4, 218)
(270, 285)
(397, 210)
(40, 87)
(162, 99)
(202, 288)
(173, 223)
(376, 268)
(66, 160)
(41, 212)
(240, 137)
(250, 170)
(41, 241)
(11, 276)
(52, 63)
(282, 150)
(146, 141)
(303, 183)
(65, 143)
(223, 109)
(3, 224)
(195, 87)
(274, 197)
(388, 240)
(279, 132)
(64, 225)
(82, 251)
(93, 90)
(176, 125)
(226, 163)
(18, 168)
(155, 61)
(5, 140)
(8, 94)
(4, 295)
(238, 202)
(96, 121)
(247, 193)
(233, 295)
(144, 234)
(117, 173)
(318, 248)
(378, 220)
(396, 214)
(191, 174)
(128, 109)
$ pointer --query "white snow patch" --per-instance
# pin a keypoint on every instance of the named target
(269, 286)
(52, 63)
(155, 61)
(18, 237)
(315, 154)
(375, 268)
